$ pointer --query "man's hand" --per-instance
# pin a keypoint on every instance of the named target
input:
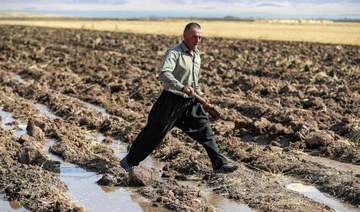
(206, 101)
(188, 90)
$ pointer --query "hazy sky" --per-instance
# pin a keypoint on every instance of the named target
(307, 7)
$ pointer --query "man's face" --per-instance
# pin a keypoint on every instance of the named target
(192, 38)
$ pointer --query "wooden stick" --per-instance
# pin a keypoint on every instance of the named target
(215, 114)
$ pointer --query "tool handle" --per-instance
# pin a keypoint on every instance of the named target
(202, 100)
(208, 107)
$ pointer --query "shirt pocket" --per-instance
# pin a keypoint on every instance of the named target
(183, 68)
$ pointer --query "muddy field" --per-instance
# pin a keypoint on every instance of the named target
(290, 113)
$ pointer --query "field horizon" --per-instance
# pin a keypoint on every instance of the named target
(300, 30)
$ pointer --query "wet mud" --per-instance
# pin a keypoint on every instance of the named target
(283, 104)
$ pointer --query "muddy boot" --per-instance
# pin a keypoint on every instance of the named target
(225, 168)
(125, 164)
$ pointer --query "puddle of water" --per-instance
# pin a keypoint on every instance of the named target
(14, 205)
(120, 150)
(83, 188)
(147, 205)
(81, 183)
(8, 118)
(313, 193)
(221, 203)
(45, 110)
(226, 205)
(10, 205)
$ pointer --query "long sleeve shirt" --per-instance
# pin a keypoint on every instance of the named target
(179, 69)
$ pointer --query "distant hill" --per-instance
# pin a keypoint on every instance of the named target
(27, 15)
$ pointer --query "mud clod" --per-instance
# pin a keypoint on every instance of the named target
(114, 177)
(318, 139)
(143, 176)
(35, 131)
(28, 155)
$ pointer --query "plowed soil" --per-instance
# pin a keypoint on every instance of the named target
(283, 104)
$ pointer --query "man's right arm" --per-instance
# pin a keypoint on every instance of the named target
(167, 67)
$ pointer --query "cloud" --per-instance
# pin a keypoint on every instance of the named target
(268, 5)
(307, 7)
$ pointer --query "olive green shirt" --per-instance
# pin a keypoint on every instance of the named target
(179, 69)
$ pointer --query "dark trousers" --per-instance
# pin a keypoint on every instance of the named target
(171, 110)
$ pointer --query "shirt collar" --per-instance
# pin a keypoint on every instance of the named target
(185, 48)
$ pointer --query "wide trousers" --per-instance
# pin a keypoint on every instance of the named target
(169, 111)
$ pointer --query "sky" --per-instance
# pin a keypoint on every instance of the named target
(307, 8)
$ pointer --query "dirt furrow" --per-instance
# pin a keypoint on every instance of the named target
(182, 162)
(24, 177)
(73, 146)
(277, 98)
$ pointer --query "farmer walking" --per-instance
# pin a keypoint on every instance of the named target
(177, 107)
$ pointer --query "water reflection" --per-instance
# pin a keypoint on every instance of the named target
(8, 122)
(313, 193)
(11, 206)
(220, 203)
(83, 188)
(226, 205)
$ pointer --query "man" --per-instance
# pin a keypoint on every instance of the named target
(176, 105)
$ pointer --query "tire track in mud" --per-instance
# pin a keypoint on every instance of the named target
(245, 88)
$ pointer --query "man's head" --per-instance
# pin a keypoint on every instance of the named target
(192, 35)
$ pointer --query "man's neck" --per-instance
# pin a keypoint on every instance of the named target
(191, 51)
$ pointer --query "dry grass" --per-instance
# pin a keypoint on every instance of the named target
(310, 31)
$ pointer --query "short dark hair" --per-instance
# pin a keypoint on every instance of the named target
(191, 24)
